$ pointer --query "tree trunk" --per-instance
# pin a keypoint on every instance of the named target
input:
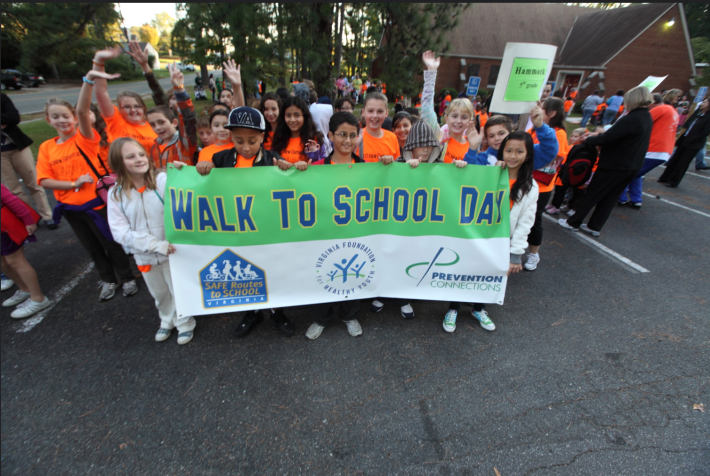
(339, 47)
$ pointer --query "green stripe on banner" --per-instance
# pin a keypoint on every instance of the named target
(265, 205)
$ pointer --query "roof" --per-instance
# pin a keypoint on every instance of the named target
(485, 28)
(610, 31)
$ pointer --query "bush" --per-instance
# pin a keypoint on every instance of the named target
(124, 65)
(454, 93)
(577, 108)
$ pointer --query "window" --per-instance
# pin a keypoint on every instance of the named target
(493, 75)
(473, 70)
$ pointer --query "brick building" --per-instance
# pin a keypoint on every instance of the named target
(596, 49)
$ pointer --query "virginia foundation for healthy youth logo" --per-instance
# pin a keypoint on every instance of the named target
(345, 268)
(436, 277)
(230, 280)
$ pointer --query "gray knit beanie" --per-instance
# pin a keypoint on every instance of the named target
(422, 135)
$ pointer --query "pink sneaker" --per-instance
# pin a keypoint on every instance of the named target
(552, 210)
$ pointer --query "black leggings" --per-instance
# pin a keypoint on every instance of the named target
(456, 306)
(559, 196)
(535, 236)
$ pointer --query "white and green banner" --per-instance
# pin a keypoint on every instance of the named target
(264, 238)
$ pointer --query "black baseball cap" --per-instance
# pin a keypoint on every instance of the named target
(246, 117)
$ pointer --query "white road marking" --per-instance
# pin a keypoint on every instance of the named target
(675, 204)
(603, 249)
(29, 324)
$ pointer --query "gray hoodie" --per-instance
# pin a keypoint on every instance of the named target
(421, 135)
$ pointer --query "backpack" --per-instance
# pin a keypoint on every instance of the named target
(578, 167)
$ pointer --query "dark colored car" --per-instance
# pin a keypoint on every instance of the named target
(28, 79)
(11, 79)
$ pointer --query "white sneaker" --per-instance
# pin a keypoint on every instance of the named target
(354, 328)
(314, 331)
(130, 288)
(563, 223)
(29, 307)
(586, 229)
(185, 337)
(450, 321)
(376, 306)
(570, 213)
(407, 311)
(7, 283)
(484, 320)
(162, 334)
(531, 263)
(108, 290)
(17, 298)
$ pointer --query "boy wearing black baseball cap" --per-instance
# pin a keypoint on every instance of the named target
(247, 126)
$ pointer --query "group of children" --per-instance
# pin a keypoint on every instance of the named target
(80, 166)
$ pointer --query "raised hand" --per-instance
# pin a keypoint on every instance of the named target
(312, 146)
(177, 79)
(134, 49)
(232, 71)
(431, 61)
(536, 117)
(92, 75)
(102, 56)
(473, 136)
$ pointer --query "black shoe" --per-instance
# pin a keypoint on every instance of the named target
(704, 167)
(50, 224)
(671, 185)
(282, 322)
(249, 321)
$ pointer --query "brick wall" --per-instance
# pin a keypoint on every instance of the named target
(451, 68)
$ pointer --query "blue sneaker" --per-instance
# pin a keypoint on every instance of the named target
(484, 320)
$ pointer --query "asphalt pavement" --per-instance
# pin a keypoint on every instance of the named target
(34, 101)
(595, 368)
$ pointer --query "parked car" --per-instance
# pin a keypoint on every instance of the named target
(11, 79)
(27, 79)
(185, 67)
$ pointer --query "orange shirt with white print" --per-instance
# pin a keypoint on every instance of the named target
(294, 151)
(117, 126)
(455, 150)
(207, 153)
(374, 148)
(665, 126)
(564, 148)
(64, 162)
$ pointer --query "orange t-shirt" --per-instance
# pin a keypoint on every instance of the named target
(512, 182)
(268, 139)
(455, 150)
(573, 94)
(207, 153)
(65, 162)
(564, 148)
(242, 162)
(484, 119)
(375, 148)
(665, 126)
(568, 105)
(294, 151)
(117, 126)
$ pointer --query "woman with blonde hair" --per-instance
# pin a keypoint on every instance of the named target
(623, 149)
(660, 147)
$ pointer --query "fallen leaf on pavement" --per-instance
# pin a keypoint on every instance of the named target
(699, 406)
(496, 470)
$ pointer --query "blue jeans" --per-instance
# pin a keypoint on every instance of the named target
(635, 188)
(586, 116)
(609, 116)
(700, 159)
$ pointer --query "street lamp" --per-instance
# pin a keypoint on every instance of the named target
(671, 23)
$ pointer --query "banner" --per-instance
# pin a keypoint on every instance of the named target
(523, 74)
(652, 82)
(263, 238)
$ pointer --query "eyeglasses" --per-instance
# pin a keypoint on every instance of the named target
(128, 108)
(345, 135)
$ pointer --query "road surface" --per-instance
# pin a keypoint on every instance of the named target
(34, 101)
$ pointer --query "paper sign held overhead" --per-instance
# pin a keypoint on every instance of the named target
(652, 82)
(524, 72)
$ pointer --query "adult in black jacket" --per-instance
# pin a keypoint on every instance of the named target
(17, 160)
(688, 145)
(623, 148)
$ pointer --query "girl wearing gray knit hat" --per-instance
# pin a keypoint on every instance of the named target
(421, 146)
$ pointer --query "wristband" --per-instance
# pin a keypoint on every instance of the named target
(178, 88)
(88, 81)
(73, 184)
(97, 64)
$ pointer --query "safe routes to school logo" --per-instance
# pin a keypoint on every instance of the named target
(230, 280)
(445, 257)
(345, 268)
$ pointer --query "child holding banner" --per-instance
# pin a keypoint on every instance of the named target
(297, 138)
(222, 137)
(517, 154)
(459, 114)
(376, 144)
(247, 126)
(135, 214)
